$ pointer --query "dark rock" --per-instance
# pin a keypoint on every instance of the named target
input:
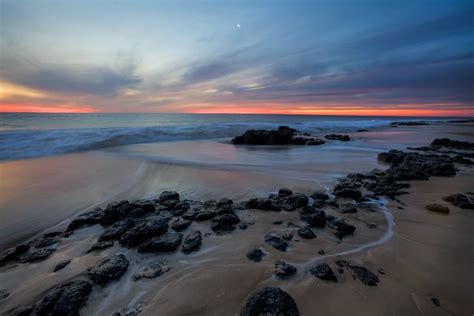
(348, 208)
(12, 253)
(324, 272)
(284, 270)
(210, 203)
(61, 265)
(150, 271)
(192, 242)
(118, 211)
(101, 245)
(348, 193)
(45, 241)
(225, 209)
(181, 225)
(191, 213)
(340, 137)
(151, 227)
(36, 255)
(284, 192)
(342, 228)
(438, 208)
(224, 201)
(117, 230)
(270, 301)
(184, 205)
(456, 144)
(109, 269)
(167, 242)
(4, 294)
(297, 200)
(317, 219)
(259, 204)
(322, 252)
(225, 222)
(319, 195)
(255, 255)
(204, 215)
(306, 233)
(168, 195)
(87, 219)
(435, 301)
(460, 200)
(367, 277)
(409, 123)
(277, 222)
(65, 299)
(276, 242)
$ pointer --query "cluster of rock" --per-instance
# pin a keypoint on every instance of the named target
(282, 136)
(461, 200)
(450, 147)
(163, 225)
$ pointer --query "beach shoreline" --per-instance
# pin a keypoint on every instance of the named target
(405, 258)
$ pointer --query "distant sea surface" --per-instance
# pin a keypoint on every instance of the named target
(30, 135)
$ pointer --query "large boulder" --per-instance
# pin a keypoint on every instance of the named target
(168, 195)
(65, 299)
(109, 269)
(314, 217)
(342, 227)
(270, 301)
(284, 270)
(12, 253)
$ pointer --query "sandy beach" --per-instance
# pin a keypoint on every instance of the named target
(420, 257)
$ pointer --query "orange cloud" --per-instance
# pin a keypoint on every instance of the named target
(38, 108)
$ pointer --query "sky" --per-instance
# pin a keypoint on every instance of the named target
(344, 57)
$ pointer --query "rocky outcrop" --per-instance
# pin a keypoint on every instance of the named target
(270, 301)
(461, 200)
(109, 269)
(306, 233)
(282, 136)
(225, 222)
(65, 299)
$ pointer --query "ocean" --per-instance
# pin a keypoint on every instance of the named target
(27, 135)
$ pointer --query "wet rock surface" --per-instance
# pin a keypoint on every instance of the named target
(117, 230)
(270, 301)
(36, 255)
(150, 227)
(284, 270)
(438, 208)
(255, 255)
(101, 245)
(461, 200)
(282, 136)
(167, 242)
(306, 233)
(66, 299)
(192, 242)
(324, 272)
(276, 242)
(108, 269)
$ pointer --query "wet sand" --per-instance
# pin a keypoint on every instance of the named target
(424, 255)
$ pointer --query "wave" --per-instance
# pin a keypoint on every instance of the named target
(39, 143)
